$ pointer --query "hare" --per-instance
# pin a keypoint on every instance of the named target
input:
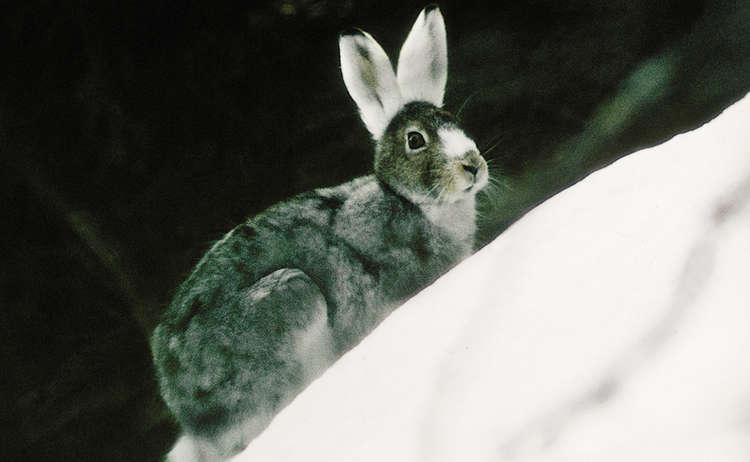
(287, 292)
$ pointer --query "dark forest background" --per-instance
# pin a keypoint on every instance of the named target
(133, 134)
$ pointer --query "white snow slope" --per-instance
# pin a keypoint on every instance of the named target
(611, 323)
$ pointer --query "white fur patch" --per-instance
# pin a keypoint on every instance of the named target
(455, 144)
(457, 218)
(314, 346)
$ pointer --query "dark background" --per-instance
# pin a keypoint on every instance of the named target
(133, 134)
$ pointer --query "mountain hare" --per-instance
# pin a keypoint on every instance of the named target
(282, 295)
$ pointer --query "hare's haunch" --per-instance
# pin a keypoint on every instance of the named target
(284, 294)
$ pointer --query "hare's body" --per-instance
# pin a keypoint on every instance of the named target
(363, 247)
(284, 294)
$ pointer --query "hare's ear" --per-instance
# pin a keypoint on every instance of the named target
(423, 61)
(368, 75)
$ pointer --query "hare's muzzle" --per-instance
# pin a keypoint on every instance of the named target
(474, 171)
(471, 169)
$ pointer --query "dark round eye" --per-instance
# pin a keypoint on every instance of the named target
(415, 140)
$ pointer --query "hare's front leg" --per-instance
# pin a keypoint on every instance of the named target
(264, 350)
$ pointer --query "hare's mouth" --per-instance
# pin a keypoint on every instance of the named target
(475, 183)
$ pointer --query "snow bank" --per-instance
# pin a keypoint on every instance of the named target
(610, 323)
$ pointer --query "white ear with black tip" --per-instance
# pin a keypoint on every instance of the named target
(423, 61)
(369, 78)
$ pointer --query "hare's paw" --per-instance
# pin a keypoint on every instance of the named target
(188, 449)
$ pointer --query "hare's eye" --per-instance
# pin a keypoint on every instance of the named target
(415, 140)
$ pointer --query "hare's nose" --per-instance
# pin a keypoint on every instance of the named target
(471, 169)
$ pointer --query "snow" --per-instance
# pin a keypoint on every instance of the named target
(611, 323)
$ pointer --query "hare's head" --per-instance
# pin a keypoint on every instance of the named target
(421, 152)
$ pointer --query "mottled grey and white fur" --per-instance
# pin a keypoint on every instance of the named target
(284, 294)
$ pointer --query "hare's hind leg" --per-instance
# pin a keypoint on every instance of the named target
(272, 343)
(292, 301)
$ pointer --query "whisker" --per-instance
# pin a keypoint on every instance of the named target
(432, 190)
(507, 185)
(495, 141)
(491, 148)
(463, 105)
(441, 195)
